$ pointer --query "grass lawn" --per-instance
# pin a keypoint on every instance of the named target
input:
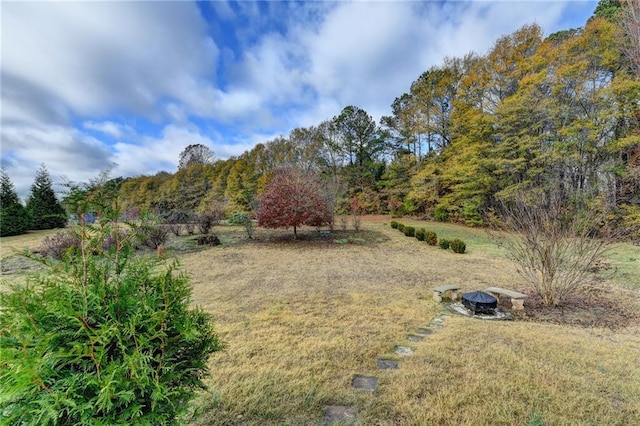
(301, 318)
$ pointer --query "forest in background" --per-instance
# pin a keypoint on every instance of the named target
(534, 113)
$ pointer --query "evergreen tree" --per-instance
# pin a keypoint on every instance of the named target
(14, 219)
(44, 208)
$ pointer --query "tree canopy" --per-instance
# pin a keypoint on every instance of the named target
(293, 199)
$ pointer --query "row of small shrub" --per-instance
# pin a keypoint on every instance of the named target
(430, 237)
(456, 245)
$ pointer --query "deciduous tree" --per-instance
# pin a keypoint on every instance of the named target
(195, 154)
(292, 199)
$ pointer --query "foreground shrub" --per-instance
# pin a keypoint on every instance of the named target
(394, 224)
(104, 339)
(420, 234)
(400, 227)
(444, 244)
(431, 238)
(458, 246)
(409, 231)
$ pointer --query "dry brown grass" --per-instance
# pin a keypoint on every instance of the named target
(301, 318)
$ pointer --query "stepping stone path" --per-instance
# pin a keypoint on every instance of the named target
(366, 383)
(387, 364)
(403, 350)
(338, 414)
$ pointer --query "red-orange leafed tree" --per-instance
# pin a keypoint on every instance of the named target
(292, 199)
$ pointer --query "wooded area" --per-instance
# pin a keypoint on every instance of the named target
(534, 112)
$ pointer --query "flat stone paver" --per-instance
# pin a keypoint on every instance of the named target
(413, 338)
(365, 383)
(436, 326)
(437, 320)
(424, 331)
(403, 350)
(387, 364)
(338, 414)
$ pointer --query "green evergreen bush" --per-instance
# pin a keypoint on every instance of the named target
(444, 244)
(409, 231)
(103, 337)
(441, 214)
(431, 238)
(14, 218)
(394, 224)
(458, 246)
(400, 227)
(45, 211)
(238, 218)
(420, 234)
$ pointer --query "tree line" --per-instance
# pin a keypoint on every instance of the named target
(534, 112)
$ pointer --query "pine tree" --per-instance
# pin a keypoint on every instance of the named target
(44, 208)
(14, 219)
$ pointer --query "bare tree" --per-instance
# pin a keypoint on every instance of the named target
(555, 247)
(195, 154)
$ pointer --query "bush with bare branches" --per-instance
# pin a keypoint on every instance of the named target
(555, 246)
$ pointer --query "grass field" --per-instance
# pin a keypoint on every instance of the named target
(301, 318)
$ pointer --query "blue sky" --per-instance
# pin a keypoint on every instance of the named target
(129, 84)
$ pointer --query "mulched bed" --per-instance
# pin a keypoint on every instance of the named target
(598, 307)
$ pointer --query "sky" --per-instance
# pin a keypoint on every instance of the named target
(127, 85)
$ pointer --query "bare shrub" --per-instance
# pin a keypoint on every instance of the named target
(174, 221)
(208, 219)
(153, 235)
(556, 246)
(59, 244)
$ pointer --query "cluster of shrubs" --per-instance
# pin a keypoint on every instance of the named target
(430, 237)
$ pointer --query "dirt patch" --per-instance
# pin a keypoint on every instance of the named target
(599, 307)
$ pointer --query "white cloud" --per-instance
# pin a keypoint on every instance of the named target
(94, 57)
(146, 155)
(108, 127)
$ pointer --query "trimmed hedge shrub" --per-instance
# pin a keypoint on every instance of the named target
(458, 246)
(431, 238)
(444, 244)
(394, 224)
(409, 231)
(420, 234)
(401, 227)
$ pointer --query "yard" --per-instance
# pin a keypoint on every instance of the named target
(301, 318)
